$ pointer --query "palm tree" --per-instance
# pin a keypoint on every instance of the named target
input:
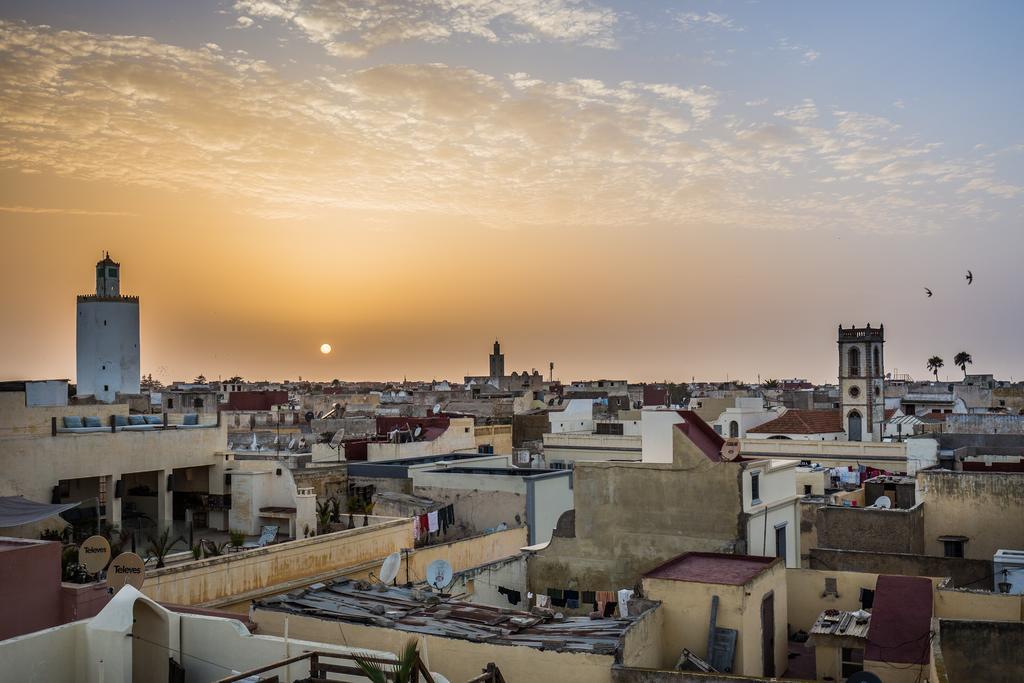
(160, 546)
(401, 671)
(771, 384)
(962, 360)
(934, 363)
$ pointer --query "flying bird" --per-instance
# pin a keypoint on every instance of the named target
(929, 292)
(969, 277)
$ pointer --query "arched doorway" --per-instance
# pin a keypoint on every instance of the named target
(854, 426)
(150, 643)
(734, 429)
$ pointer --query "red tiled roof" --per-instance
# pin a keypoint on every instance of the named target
(728, 570)
(935, 415)
(890, 412)
(802, 422)
(900, 630)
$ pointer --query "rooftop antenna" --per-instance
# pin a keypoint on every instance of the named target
(389, 569)
(439, 575)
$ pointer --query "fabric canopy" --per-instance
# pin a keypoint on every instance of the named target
(18, 510)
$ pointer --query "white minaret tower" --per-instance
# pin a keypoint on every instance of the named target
(862, 382)
(108, 337)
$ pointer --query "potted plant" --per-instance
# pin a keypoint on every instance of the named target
(401, 671)
(160, 546)
(237, 537)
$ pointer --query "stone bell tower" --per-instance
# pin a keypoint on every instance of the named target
(862, 382)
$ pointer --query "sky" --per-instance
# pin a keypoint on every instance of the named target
(629, 190)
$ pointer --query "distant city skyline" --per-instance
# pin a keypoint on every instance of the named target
(644, 192)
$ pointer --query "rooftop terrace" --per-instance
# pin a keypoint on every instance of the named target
(716, 568)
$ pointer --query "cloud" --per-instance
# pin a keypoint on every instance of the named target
(354, 29)
(74, 212)
(805, 112)
(244, 21)
(807, 54)
(692, 20)
(439, 140)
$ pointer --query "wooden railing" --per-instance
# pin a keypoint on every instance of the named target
(319, 668)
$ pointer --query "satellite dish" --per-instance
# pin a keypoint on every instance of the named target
(127, 568)
(389, 570)
(883, 502)
(94, 553)
(416, 432)
(864, 677)
(436, 409)
(439, 574)
(309, 416)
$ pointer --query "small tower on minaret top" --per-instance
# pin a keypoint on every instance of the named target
(108, 278)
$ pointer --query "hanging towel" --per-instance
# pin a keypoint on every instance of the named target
(432, 521)
(415, 528)
(624, 595)
(424, 525)
(543, 600)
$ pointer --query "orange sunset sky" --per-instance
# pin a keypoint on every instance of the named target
(630, 192)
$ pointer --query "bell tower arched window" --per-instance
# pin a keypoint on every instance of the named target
(853, 362)
(876, 362)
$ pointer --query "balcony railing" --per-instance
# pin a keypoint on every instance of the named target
(319, 668)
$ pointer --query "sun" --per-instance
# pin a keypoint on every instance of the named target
(325, 349)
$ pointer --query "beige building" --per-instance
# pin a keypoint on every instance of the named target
(744, 594)
(133, 475)
(705, 503)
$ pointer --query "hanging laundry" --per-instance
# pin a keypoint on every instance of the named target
(415, 528)
(424, 525)
(543, 600)
(513, 596)
(624, 595)
(432, 521)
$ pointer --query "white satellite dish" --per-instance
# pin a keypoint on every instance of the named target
(439, 574)
(389, 570)
(436, 409)
(416, 432)
(883, 502)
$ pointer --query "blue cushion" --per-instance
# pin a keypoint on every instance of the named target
(72, 422)
(120, 420)
(137, 419)
(93, 421)
(154, 420)
(190, 419)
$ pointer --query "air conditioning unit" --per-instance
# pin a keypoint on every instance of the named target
(1008, 571)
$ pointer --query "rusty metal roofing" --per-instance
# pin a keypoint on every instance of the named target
(837, 622)
(420, 611)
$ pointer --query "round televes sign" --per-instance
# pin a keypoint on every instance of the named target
(127, 568)
(94, 553)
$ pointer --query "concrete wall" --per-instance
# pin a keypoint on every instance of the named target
(549, 496)
(977, 651)
(888, 456)
(479, 509)
(497, 436)
(32, 658)
(232, 577)
(30, 596)
(569, 447)
(964, 572)
(985, 507)
(631, 517)
(984, 424)
(458, 438)
(980, 605)
(480, 584)
(457, 660)
(871, 530)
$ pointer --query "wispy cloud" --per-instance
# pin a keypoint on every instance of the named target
(807, 54)
(356, 28)
(502, 150)
(75, 212)
(692, 20)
